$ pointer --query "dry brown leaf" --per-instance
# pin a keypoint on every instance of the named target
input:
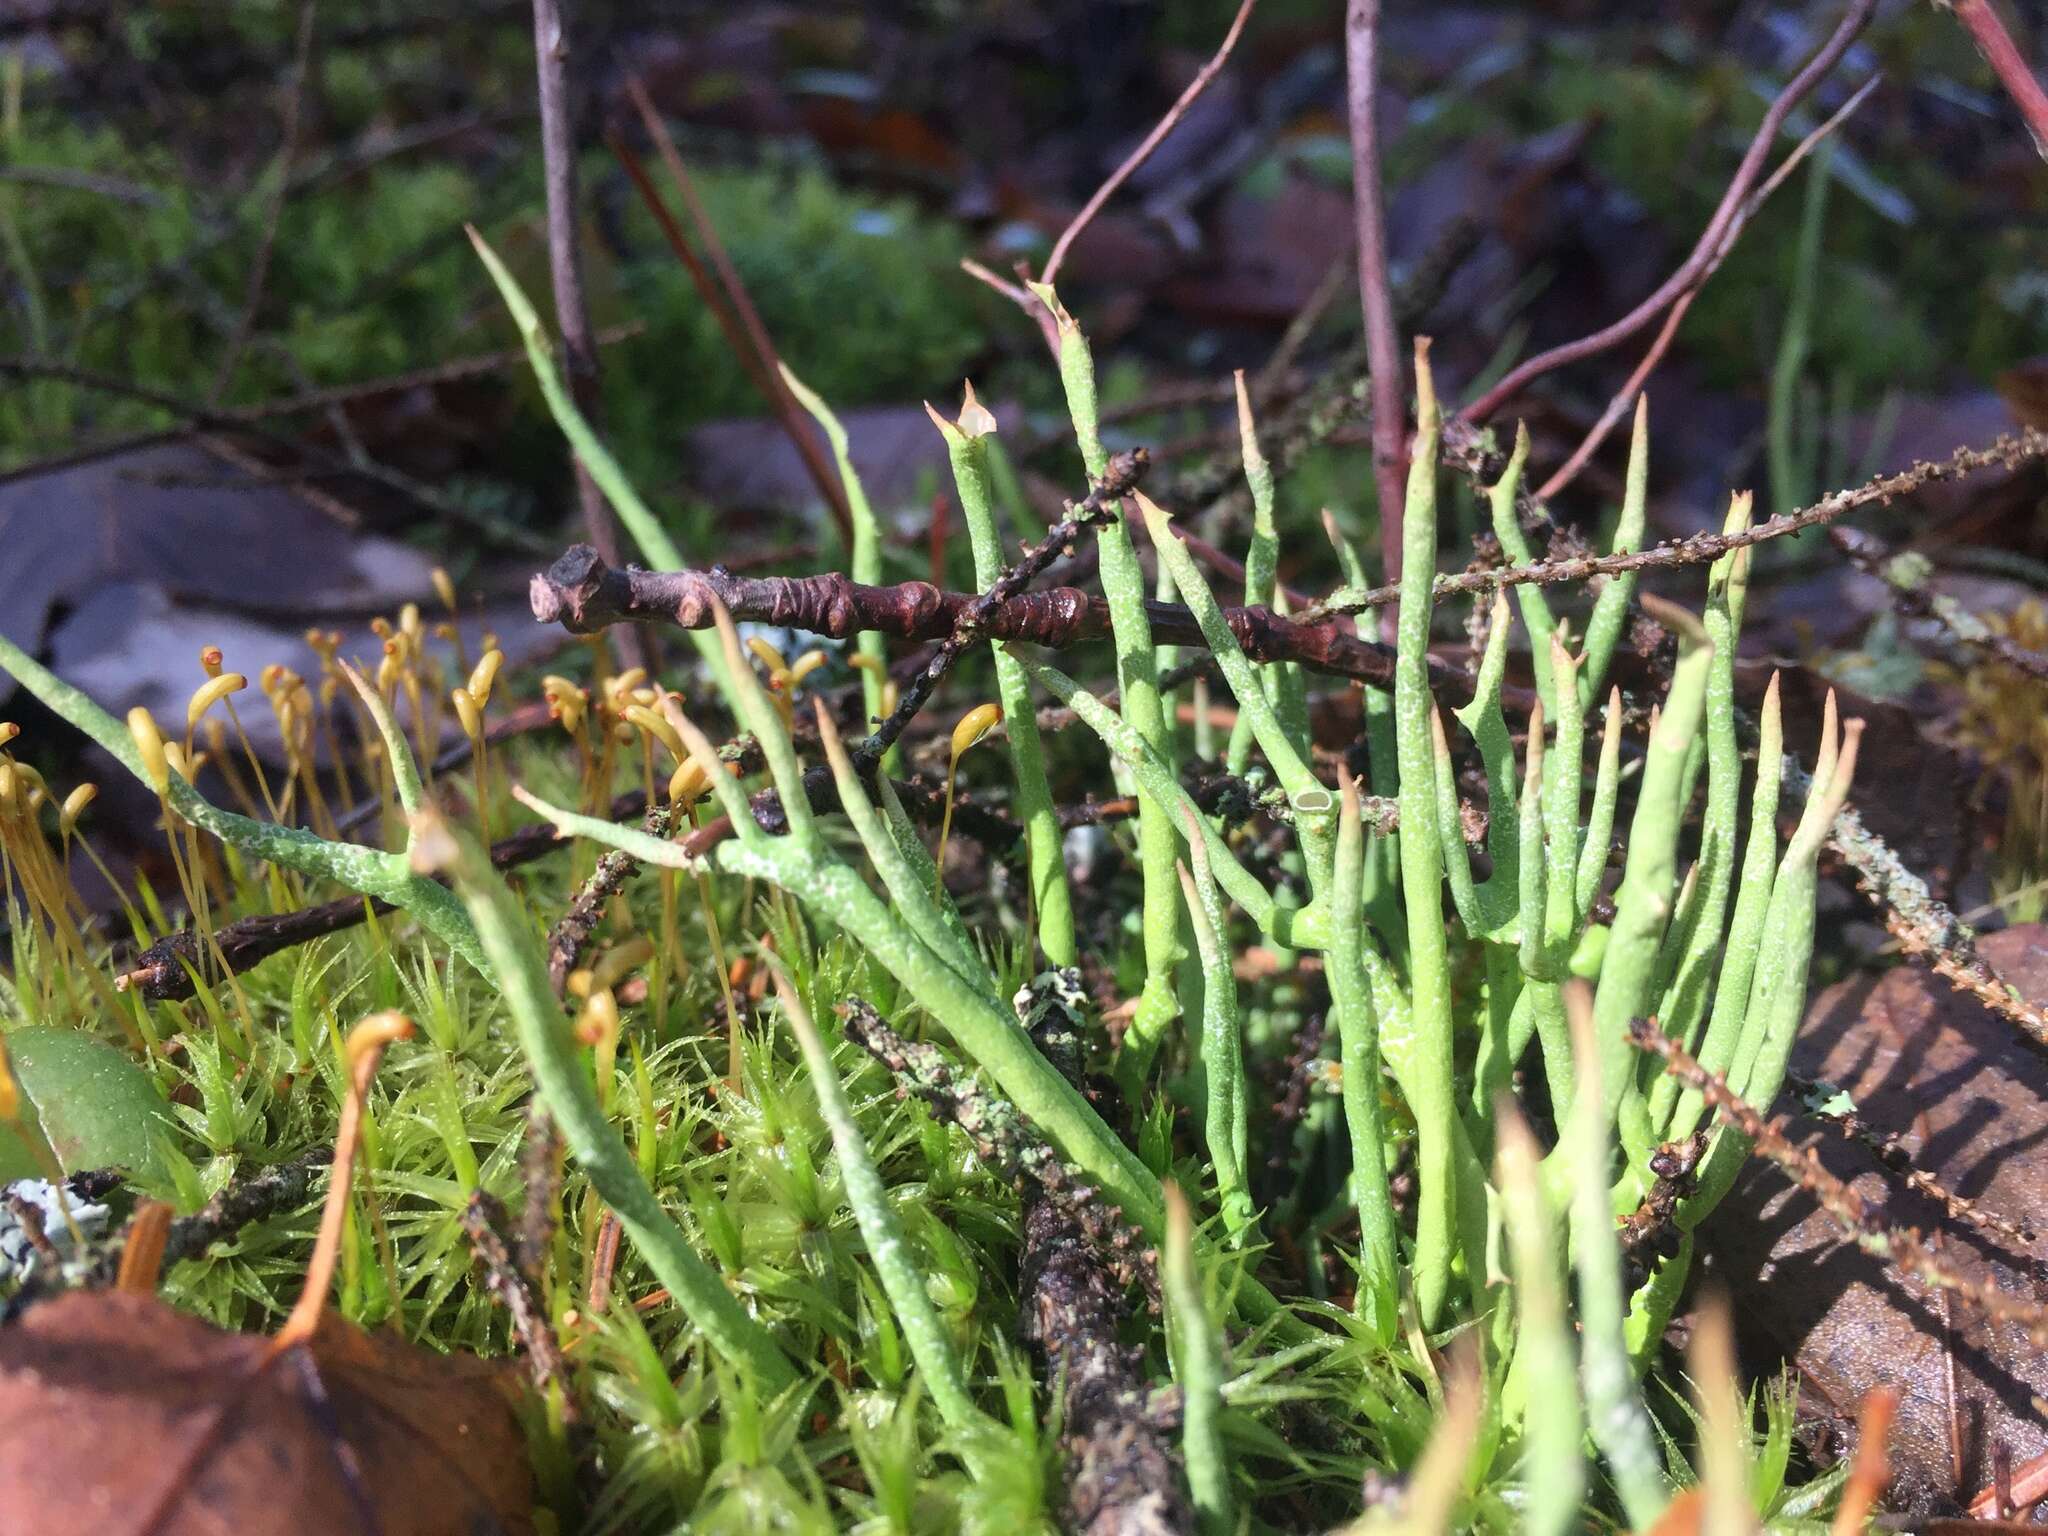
(120, 1416)
(1938, 1069)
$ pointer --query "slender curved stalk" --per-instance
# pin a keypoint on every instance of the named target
(1221, 1045)
(1554, 1468)
(1621, 1427)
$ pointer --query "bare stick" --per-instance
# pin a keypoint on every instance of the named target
(2007, 452)
(1625, 398)
(767, 371)
(565, 259)
(1859, 1221)
(1143, 152)
(2006, 61)
(1375, 297)
(1704, 252)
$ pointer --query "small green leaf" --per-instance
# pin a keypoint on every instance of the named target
(95, 1106)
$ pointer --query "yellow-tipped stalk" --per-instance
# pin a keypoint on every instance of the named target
(973, 726)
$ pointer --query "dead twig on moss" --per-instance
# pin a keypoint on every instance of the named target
(1689, 272)
(574, 927)
(1003, 1139)
(1901, 1246)
(485, 1223)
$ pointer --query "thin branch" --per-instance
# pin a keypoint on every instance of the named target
(1981, 21)
(754, 340)
(1625, 398)
(572, 930)
(565, 256)
(1901, 1246)
(584, 595)
(1376, 300)
(2008, 452)
(1151, 142)
(1705, 252)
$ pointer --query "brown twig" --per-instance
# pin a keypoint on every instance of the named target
(565, 255)
(1896, 1158)
(1860, 1223)
(730, 301)
(1709, 245)
(1146, 146)
(485, 1223)
(975, 618)
(1982, 22)
(1625, 397)
(573, 929)
(273, 214)
(2007, 452)
(584, 595)
(1382, 342)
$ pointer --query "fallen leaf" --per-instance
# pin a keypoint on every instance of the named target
(93, 1106)
(1937, 1069)
(120, 1415)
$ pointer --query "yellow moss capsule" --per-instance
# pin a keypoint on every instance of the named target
(149, 741)
(805, 665)
(659, 729)
(771, 658)
(9, 784)
(387, 671)
(409, 619)
(211, 659)
(210, 693)
(178, 763)
(467, 712)
(484, 675)
(687, 785)
(74, 807)
(8, 731)
(443, 588)
(891, 696)
(381, 627)
(10, 1091)
(974, 725)
(599, 1020)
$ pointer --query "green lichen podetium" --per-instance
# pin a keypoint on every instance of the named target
(1137, 673)
(967, 448)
